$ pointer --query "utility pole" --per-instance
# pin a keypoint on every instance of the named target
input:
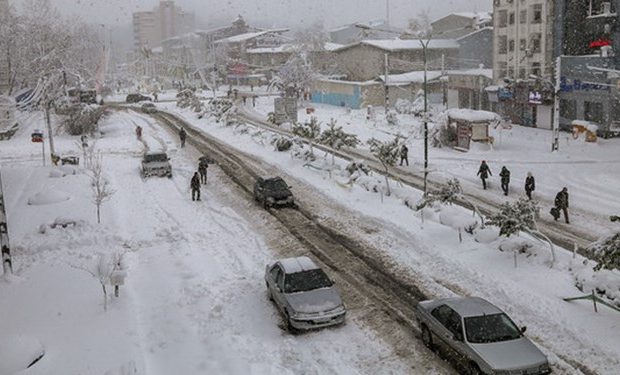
(387, 90)
(48, 105)
(555, 121)
(424, 48)
(443, 81)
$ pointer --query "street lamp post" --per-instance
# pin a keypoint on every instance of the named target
(424, 50)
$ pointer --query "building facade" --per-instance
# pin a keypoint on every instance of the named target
(4, 61)
(164, 22)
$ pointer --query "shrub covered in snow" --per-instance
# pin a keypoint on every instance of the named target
(310, 131)
(513, 218)
(606, 283)
(282, 143)
(82, 119)
(336, 138)
(392, 117)
(387, 153)
(606, 252)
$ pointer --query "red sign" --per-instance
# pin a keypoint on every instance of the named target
(238, 69)
(37, 137)
(600, 43)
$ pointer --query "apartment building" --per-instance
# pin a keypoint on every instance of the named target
(167, 20)
(4, 63)
(523, 41)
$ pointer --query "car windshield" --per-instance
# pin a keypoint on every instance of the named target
(305, 281)
(155, 157)
(276, 184)
(490, 328)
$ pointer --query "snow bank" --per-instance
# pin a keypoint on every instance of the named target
(487, 235)
(18, 352)
(56, 173)
(454, 217)
(48, 197)
(472, 115)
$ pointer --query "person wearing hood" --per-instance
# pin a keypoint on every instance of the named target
(530, 185)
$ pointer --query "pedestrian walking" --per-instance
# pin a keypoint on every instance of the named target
(530, 185)
(202, 169)
(182, 136)
(139, 132)
(195, 185)
(484, 172)
(404, 155)
(505, 177)
(561, 203)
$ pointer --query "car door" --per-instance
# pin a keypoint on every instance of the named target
(278, 290)
(456, 341)
(446, 328)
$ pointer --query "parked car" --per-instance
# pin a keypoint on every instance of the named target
(273, 192)
(156, 164)
(136, 98)
(149, 108)
(480, 336)
(304, 294)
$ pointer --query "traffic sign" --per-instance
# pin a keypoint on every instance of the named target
(37, 136)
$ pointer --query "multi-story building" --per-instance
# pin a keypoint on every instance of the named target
(590, 63)
(164, 22)
(523, 60)
(4, 62)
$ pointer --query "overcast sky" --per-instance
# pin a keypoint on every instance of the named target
(290, 13)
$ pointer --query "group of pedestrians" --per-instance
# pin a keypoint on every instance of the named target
(561, 198)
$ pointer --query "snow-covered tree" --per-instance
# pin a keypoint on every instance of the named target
(101, 189)
(310, 131)
(387, 153)
(606, 252)
(516, 217)
(520, 216)
(105, 269)
(336, 138)
(420, 25)
(296, 75)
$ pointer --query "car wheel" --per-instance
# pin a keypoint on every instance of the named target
(427, 338)
(473, 369)
(269, 294)
(289, 324)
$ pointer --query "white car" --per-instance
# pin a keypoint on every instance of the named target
(304, 294)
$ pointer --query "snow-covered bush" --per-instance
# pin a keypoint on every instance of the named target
(336, 138)
(302, 151)
(392, 117)
(357, 167)
(516, 217)
(443, 134)
(82, 119)
(387, 153)
(606, 283)
(415, 107)
(188, 99)
(282, 143)
(606, 252)
(310, 131)
(447, 193)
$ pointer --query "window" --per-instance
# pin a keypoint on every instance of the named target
(537, 13)
(511, 18)
(491, 328)
(593, 111)
(568, 109)
(502, 67)
(502, 42)
(502, 18)
(522, 73)
(523, 17)
(511, 45)
(535, 43)
(522, 45)
(511, 72)
(536, 69)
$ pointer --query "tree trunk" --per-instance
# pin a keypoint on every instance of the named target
(98, 214)
(387, 182)
(105, 297)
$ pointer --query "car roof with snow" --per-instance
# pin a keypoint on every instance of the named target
(470, 306)
(300, 264)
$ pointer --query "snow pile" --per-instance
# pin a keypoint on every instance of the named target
(454, 217)
(56, 173)
(487, 235)
(18, 352)
(472, 115)
(605, 282)
(68, 170)
(516, 244)
(48, 197)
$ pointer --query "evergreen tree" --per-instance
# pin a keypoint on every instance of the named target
(336, 138)
(309, 131)
(387, 153)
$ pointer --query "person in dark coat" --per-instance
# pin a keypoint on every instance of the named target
(182, 136)
(484, 172)
(195, 184)
(530, 185)
(404, 155)
(561, 203)
(505, 177)
(202, 169)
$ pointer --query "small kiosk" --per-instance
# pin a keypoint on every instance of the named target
(471, 126)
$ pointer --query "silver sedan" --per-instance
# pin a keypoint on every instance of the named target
(304, 294)
(480, 336)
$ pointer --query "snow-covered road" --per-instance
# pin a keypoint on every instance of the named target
(194, 300)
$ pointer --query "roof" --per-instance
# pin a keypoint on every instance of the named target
(471, 115)
(471, 306)
(286, 48)
(472, 15)
(294, 265)
(405, 44)
(248, 36)
(488, 28)
(411, 77)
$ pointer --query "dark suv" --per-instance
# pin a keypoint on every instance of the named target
(136, 98)
(273, 192)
